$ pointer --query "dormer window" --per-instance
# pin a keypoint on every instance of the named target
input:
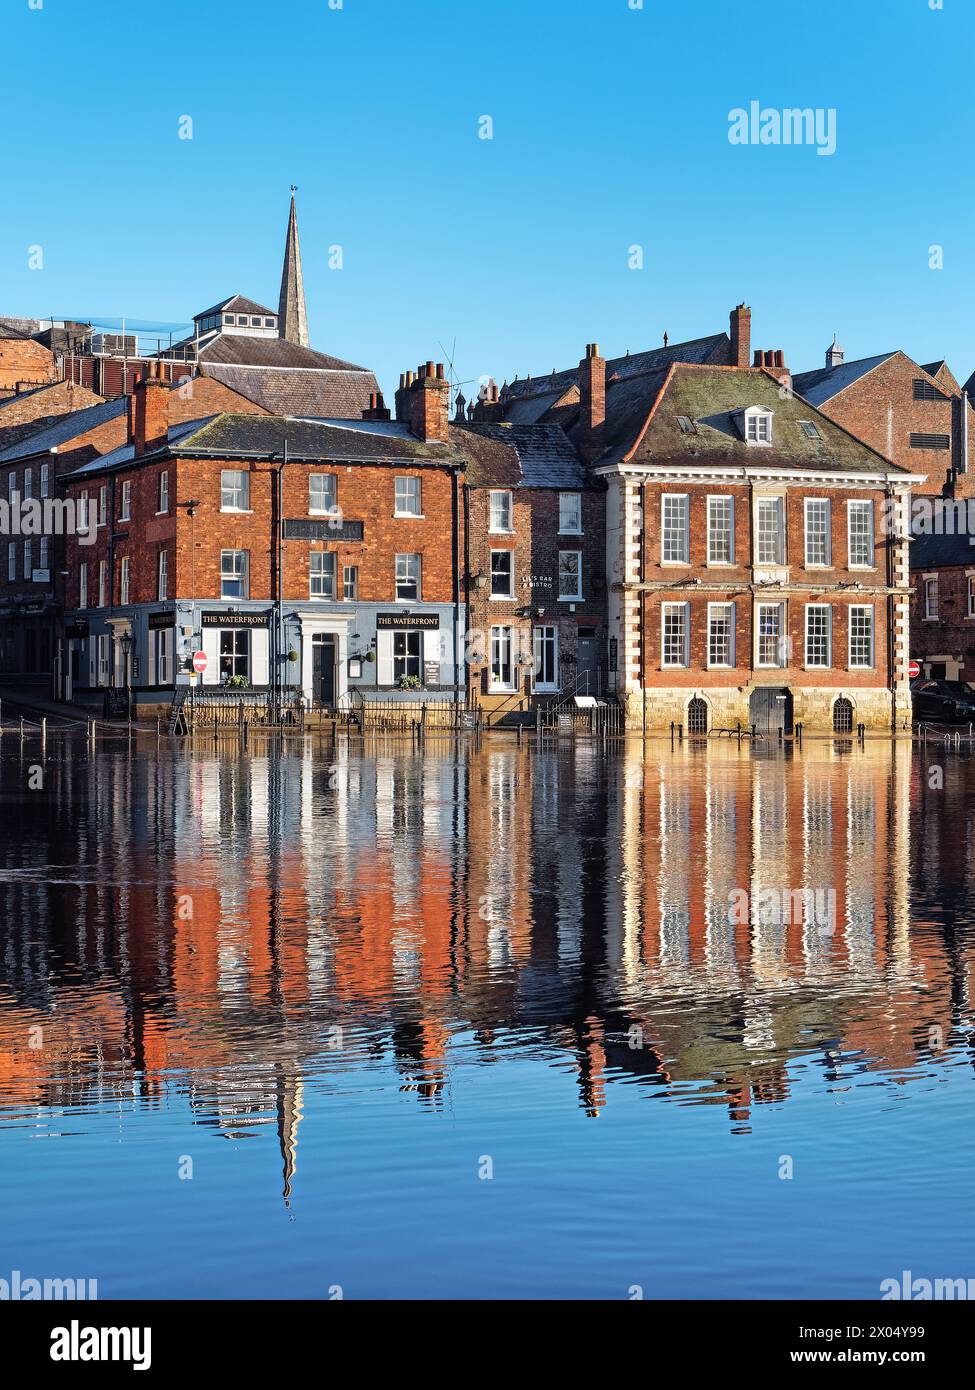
(757, 425)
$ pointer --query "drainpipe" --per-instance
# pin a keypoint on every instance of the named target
(964, 433)
(891, 611)
(455, 542)
(279, 614)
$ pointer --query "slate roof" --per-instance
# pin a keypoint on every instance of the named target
(237, 303)
(956, 546)
(125, 453)
(714, 348)
(63, 429)
(324, 394)
(826, 382)
(546, 458)
(712, 397)
(241, 349)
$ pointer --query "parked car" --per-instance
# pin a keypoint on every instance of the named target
(944, 702)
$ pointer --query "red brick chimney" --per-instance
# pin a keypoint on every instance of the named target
(741, 335)
(401, 399)
(592, 400)
(429, 396)
(377, 408)
(149, 412)
(774, 362)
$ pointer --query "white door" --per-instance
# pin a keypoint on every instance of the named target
(503, 675)
(546, 658)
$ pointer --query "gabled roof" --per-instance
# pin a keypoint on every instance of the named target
(64, 429)
(326, 393)
(714, 348)
(712, 398)
(824, 383)
(240, 349)
(545, 456)
(236, 304)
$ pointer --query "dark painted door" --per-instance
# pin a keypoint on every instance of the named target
(323, 669)
(770, 709)
(587, 666)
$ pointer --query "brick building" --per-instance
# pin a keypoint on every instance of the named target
(23, 362)
(917, 416)
(943, 601)
(752, 579)
(255, 538)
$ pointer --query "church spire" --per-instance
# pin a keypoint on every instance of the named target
(292, 314)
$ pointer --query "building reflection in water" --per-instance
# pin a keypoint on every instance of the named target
(238, 928)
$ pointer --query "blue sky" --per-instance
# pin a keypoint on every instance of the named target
(610, 130)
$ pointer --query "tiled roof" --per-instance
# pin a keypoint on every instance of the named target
(712, 399)
(955, 546)
(545, 455)
(235, 304)
(316, 439)
(826, 382)
(63, 429)
(330, 393)
(711, 349)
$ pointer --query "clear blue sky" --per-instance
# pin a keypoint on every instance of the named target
(610, 129)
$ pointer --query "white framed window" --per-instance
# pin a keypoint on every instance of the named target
(102, 583)
(546, 643)
(675, 625)
(771, 645)
(721, 634)
(161, 639)
(235, 652)
(971, 596)
(103, 505)
(45, 560)
(323, 492)
(82, 511)
(817, 531)
(500, 508)
(28, 484)
(350, 581)
(28, 558)
(125, 513)
(407, 497)
(570, 513)
(930, 595)
(408, 577)
(83, 585)
(675, 535)
(859, 534)
(502, 574)
(102, 649)
(861, 635)
(123, 586)
(162, 575)
(818, 635)
(45, 480)
(770, 531)
(721, 531)
(504, 673)
(407, 654)
(322, 572)
(233, 574)
(11, 560)
(758, 426)
(164, 491)
(234, 490)
(11, 486)
(570, 575)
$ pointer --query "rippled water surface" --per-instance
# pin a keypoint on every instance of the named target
(477, 1023)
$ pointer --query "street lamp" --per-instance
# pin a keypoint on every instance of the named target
(126, 640)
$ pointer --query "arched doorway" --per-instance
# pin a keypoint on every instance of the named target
(843, 716)
(697, 716)
(770, 710)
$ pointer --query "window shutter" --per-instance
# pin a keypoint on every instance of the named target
(211, 645)
(259, 655)
(151, 659)
(436, 647)
(92, 661)
(384, 657)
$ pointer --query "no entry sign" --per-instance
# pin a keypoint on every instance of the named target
(199, 662)
(913, 669)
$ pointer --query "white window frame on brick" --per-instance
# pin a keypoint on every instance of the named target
(11, 560)
(856, 637)
(123, 583)
(321, 574)
(235, 490)
(162, 575)
(721, 529)
(103, 505)
(566, 572)
(163, 493)
(45, 480)
(757, 427)
(860, 506)
(125, 501)
(82, 510)
(818, 636)
(570, 513)
(930, 591)
(817, 522)
(28, 484)
(777, 637)
(718, 612)
(500, 512)
(409, 576)
(235, 570)
(407, 497)
(44, 559)
(28, 559)
(502, 569)
(970, 577)
(675, 528)
(350, 582)
(762, 506)
(103, 583)
(83, 585)
(323, 493)
(11, 485)
(675, 635)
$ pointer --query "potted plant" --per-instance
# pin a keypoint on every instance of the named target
(237, 682)
(410, 683)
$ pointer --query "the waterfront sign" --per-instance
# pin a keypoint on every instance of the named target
(427, 620)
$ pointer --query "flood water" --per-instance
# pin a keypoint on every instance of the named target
(482, 1023)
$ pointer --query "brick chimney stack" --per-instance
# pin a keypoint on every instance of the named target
(429, 403)
(377, 408)
(592, 400)
(741, 335)
(774, 362)
(401, 400)
(149, 412)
